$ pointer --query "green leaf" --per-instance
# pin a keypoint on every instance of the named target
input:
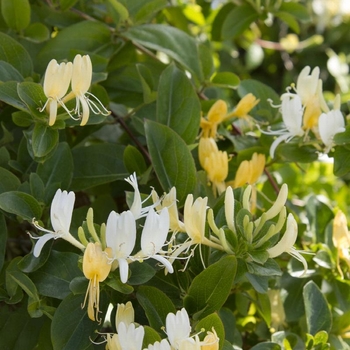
(117, 11)
(71, 327)
(3, 239)
(341, 160)
(134, 161)
(37, 33)
(14, 53)
(151, 336)
(33, 96)
(266, 346)
(148, 10)
(74, 36)
(57, 171)
(44, 140)
(156, 304)
(170, 40)
(210, 289)
(295, 9)
(9, 95)
(20, 203)
(206, 60)
(140, 273)
(178, 105)
(118, 285)
(8, 72)
(208, 323)
(171, 158)
(226, 80)
(16, 13)
(22, 119)
(294, 152)
(53, 279)
(97, 164)
(318, 315)
(147, 83)
(237, 21)
(67, 4)
(9, 181)
(289, 19)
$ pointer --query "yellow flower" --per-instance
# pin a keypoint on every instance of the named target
(206, 146)
(216, 167)
(216, 115)
(96, 267)
(211, 341)
(56, 83)
(249, 171)
(341, 239)
(244, 106)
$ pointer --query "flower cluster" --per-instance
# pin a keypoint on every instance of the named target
(78, 74)
(130, 336)
(115, 246)
(305, 109)
(213, 160)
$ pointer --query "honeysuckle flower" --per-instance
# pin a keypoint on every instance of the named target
(113, 342)
(249, 171)
(136, 207)
(206, 146)
(211, 341)
(169, 201)
(61, 216)
(216, 115)
(125, 313)
(163, 345)
(292, 115)
(130, 337)
(96, 267)
(244, 106)
(153, 236)
(286, 243)
(341, 239)
(329, 125)
(56, 82)
(177, 327)
(230, 208)
(307, 84)
(121, 237)
(216, 167)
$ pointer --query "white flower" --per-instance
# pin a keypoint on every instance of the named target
(329, 125)
(81, 81)
(56, 83)
(307, 85)
(136, 207)
(287, 242)
(163, 345)
(61, 216)
(178, 327)
(125, 313)
(121, 237)
(130, 337)
(154, 234)
(292, 115)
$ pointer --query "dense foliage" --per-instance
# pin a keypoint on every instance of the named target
(189, 157)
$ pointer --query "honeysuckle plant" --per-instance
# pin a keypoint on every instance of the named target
(174, 175)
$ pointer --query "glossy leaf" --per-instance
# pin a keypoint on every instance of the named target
(178, 106)
(8, 72)
(105, 165)
(156, 305)
(318, 315)
(225, 80)
(44, 140)
(172, 41)
(172, 160)
(20, 203)
(14, 53)
(210, 289)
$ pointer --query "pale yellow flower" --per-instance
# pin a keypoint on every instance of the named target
(244, 106)
(249, 171)
(211, 341)
(341, 239)
(56, 82)
(216, 115)
(125, 313)
(96, 267)
(206, 146)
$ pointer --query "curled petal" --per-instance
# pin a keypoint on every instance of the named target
(41, 242)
